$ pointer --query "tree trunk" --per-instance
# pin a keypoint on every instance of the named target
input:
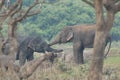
(99, 44)
(102, 33)
(98, 56)
(12, 40)
(1, 42)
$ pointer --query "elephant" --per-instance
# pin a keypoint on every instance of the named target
(82, 36)
(30, 45)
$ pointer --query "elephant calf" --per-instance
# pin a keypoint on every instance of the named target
(30, 45)
(82, 37)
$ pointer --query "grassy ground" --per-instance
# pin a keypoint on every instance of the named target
(70, 71)
(62, 70)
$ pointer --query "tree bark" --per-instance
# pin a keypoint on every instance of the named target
(1, 42)
(103, 28)
(12, 29)
(29, 68)
(99, 43)
(98, 56)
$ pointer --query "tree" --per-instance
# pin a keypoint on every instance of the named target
(103, 27)
(13, 14)
(1, 21)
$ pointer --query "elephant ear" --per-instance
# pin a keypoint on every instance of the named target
(69, 36)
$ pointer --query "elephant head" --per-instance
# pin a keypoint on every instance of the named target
(66, 35)
(40, 45)
(37, 44)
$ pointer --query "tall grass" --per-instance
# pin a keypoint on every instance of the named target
(69, 71)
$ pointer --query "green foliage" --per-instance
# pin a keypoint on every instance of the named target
(54, 17)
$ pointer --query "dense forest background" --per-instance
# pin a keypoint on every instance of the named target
(54, 17)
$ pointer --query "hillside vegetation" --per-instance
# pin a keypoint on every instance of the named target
(54, 17)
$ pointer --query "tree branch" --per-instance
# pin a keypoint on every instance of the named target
(3, 14)
(113, 5)
(116, 1)
(2, 21)
(9, 11)
(1, 3)
(109, 4)
(33, 13)
(26, 13)
(117, 7)
(17, 7)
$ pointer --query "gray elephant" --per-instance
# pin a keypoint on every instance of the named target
(30, 45)
(82, 37)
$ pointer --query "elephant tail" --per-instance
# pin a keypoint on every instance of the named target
(110, 41)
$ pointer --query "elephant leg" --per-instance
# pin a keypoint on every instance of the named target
(30, 57)
(22, 58)
(78, 52)
(17, 55)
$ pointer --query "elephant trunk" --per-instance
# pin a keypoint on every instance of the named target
(55, 41)
(54, 50)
